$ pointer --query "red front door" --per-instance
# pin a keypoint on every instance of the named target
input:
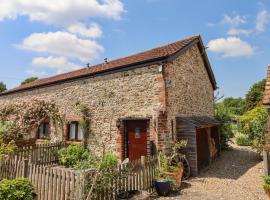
(137, 139)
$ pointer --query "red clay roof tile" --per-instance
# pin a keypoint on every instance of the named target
(143, 57)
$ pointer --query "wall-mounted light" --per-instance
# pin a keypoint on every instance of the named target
(118, 123)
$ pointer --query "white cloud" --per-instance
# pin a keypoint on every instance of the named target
(60, 64)
(234, 21)
(60, 12)
(236, 31)
(62, 44)
(262, 20)
(36, 73)
(92, 31)
(230, 47)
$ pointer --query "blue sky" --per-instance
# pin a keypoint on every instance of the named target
(41, 39)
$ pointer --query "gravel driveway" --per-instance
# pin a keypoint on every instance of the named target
(234, 176)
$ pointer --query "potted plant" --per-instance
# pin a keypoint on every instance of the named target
(171, 169)
(266, 185)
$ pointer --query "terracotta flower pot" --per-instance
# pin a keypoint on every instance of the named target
(268, 193)
(177, 176)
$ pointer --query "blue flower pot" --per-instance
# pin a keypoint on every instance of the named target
(163, 187)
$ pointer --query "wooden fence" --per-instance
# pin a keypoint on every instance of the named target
(135, 175)
(39, 163)
(41, 153)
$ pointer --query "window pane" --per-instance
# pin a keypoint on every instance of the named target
(46, 130)
(80, 133)
(40, 131)
(72, 130)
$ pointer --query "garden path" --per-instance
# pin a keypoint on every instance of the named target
(236, 175)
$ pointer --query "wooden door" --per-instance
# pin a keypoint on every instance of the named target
(137, 139)
(203, 154)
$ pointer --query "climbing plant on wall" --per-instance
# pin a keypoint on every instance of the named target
(20, 119)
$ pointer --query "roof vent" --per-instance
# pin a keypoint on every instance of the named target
(106, 60)
(88, 65)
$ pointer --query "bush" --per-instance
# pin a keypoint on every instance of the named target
(266, 180)
(242, 139)
(74, 156)
(222, 114)
(109, 161)
(254, 124)
(16, 189)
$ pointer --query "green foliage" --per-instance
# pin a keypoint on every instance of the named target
(236, 106)
(242, 139)
(254, 124)
(266, 180)
(6, 148)
(3, 87)
(29, 80)
(222, 114)
(108, 161)
(22, 118)
(16, 189)
(74, 156)
(7, 145)
(255, 95)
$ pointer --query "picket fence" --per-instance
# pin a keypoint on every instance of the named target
(41, 153)
(52, 182)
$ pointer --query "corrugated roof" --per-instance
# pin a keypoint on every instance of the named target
(155, 54)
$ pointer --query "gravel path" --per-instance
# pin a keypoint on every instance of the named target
(234, 176)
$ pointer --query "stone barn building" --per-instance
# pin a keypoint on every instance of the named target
(138, 102)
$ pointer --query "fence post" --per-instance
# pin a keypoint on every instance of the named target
(143, 172)
(25, 167)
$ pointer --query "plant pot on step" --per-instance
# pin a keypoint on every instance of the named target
(163, 187)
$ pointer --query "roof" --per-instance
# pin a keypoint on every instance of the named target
(266, 97)
(200, 121)
(156, 54)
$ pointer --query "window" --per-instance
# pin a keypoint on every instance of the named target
(75, 132)
(43, 130)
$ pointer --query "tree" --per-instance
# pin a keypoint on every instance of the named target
(222, 114)
(255, 95)
(235, 105)
(29, 80)
(3, 87)
(254, 125)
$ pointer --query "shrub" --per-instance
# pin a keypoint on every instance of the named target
(242, 139)
(16, 189)
(73, 156)
(254, 124)
(222, 114)
(266, 180)
(109, 161)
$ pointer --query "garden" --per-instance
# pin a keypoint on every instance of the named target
(244, 120)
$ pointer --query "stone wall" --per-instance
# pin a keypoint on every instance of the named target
(134, 93)
(189, 90)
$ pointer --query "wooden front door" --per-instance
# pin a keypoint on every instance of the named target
(137, 139)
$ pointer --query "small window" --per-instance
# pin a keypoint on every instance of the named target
(44, 130)
(75, 132)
